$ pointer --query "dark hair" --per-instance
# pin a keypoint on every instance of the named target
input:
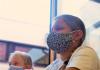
(75, 23)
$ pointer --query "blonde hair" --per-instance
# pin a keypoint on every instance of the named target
(26, 58)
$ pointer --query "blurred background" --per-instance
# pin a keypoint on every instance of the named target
(25, 24)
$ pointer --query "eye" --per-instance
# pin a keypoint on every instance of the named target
(61, 28)
(57, 28)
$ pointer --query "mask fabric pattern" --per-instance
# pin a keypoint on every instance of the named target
(59, 41)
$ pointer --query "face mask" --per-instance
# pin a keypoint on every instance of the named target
(59, 41)
(12, 67)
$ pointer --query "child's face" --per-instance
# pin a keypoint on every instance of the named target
(17, 61)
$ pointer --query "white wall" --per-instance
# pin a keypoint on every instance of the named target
(25, 21)
(70, 6)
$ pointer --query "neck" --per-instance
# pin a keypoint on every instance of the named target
(65, 56)
(68, 52)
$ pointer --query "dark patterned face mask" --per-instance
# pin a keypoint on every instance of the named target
(59, 41)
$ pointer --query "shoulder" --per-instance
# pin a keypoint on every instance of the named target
(84, 58)
(84, 53)
(85, 50)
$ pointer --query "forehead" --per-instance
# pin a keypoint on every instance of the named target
(60, 21)
(17, 59)
(61, 24)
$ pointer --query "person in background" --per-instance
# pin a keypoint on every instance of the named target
(20, 61)
(66, 39)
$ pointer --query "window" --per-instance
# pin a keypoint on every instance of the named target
(25, 21)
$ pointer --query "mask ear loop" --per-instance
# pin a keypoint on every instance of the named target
(72, 33)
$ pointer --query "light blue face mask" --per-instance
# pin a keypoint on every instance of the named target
(59, 42)
(12, 67)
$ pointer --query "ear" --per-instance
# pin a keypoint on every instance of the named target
(77, 35)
